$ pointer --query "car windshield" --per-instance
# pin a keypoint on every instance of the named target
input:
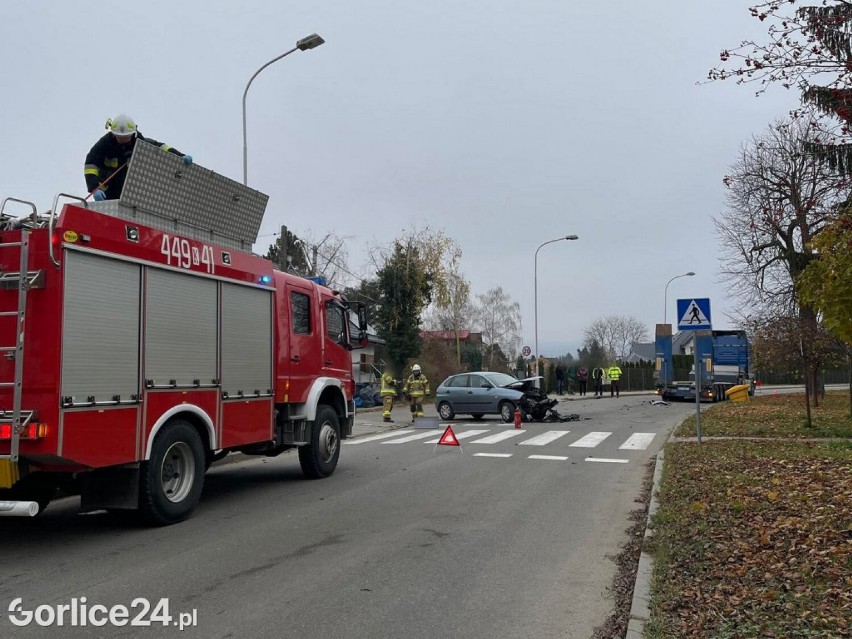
(500, 379)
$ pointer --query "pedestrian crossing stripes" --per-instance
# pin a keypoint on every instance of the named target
(499, 437)
(591, 440)
(545, 438)
(636, 441)
(461, 435)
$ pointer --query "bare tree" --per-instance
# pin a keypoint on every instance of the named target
(601, 331)
(456, 314)
(499, 318)
(780, 197)
(616, 334)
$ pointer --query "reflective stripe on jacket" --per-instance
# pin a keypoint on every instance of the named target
(416, 386)
(388, 385)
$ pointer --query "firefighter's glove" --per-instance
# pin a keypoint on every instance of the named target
(187, 159)
(100, 196)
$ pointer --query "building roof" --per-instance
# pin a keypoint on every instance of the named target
(641, 351)
(680, 341)
(465, 336)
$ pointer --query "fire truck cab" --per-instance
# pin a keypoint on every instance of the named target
(141, 340)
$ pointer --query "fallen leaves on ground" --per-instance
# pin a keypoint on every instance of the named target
(782, 415)
(754, 539)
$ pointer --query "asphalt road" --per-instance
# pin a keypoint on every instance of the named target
(406, 539)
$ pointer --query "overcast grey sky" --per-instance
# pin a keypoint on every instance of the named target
(504, 123)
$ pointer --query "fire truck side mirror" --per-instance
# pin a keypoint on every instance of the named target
(362, 320)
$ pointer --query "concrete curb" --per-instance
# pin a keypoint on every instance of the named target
(640, 611)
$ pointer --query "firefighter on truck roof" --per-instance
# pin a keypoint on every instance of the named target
(106, 162)
(415, 389)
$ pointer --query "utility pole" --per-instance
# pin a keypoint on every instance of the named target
(282, 253)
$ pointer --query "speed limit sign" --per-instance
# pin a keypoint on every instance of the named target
(526, 351)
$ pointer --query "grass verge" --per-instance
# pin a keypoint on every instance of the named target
(753, 538)
(774, 416)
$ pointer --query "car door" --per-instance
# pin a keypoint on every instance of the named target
(457, 393)
(481, 396)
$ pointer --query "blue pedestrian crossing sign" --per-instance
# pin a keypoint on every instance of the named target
(693, 314)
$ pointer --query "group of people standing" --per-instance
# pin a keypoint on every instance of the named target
(598, 375)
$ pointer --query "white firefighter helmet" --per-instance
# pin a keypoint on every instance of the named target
(121, 125)
(415, 368)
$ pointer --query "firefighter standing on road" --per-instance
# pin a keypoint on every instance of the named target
(614, 374)
(388, 393)
(415, 389)
(107, 158)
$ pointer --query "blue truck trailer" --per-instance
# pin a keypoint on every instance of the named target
(724, 361)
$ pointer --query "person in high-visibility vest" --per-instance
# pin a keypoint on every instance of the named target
(415, 389)
(614, 374)
(388, 393)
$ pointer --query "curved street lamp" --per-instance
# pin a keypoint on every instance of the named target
(308, 42)
(535, 287)
(666, 294)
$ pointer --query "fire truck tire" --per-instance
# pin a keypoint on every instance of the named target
(171, 481)
(507, 412)
(319, 458)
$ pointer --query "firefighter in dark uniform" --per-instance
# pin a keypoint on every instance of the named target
(111, 153)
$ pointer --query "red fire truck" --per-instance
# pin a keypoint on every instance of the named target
(141, 340)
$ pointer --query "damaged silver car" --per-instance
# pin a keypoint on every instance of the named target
(489, 393)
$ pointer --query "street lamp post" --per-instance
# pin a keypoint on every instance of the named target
(666, 294)
(665, 375)
(309, 42)
(535, 288)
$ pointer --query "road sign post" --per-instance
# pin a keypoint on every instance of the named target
(694, 315)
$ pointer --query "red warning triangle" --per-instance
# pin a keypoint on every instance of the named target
(448, 438)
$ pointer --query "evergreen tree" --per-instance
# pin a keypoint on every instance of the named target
(404, 283)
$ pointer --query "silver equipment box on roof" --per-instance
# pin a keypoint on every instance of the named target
(163, 192)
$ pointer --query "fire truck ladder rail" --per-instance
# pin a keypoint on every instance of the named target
(17, 417)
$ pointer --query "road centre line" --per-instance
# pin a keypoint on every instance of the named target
(549, 457)
(591, 440)
(607, 461)
(492, 454)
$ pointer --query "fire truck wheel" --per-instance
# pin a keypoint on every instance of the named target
(319, 458)
(507, 412)
(171, 481)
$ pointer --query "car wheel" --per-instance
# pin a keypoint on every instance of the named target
(507, 412)
(477, 416)
(445, 410)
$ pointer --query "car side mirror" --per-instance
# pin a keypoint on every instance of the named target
(486, 386)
